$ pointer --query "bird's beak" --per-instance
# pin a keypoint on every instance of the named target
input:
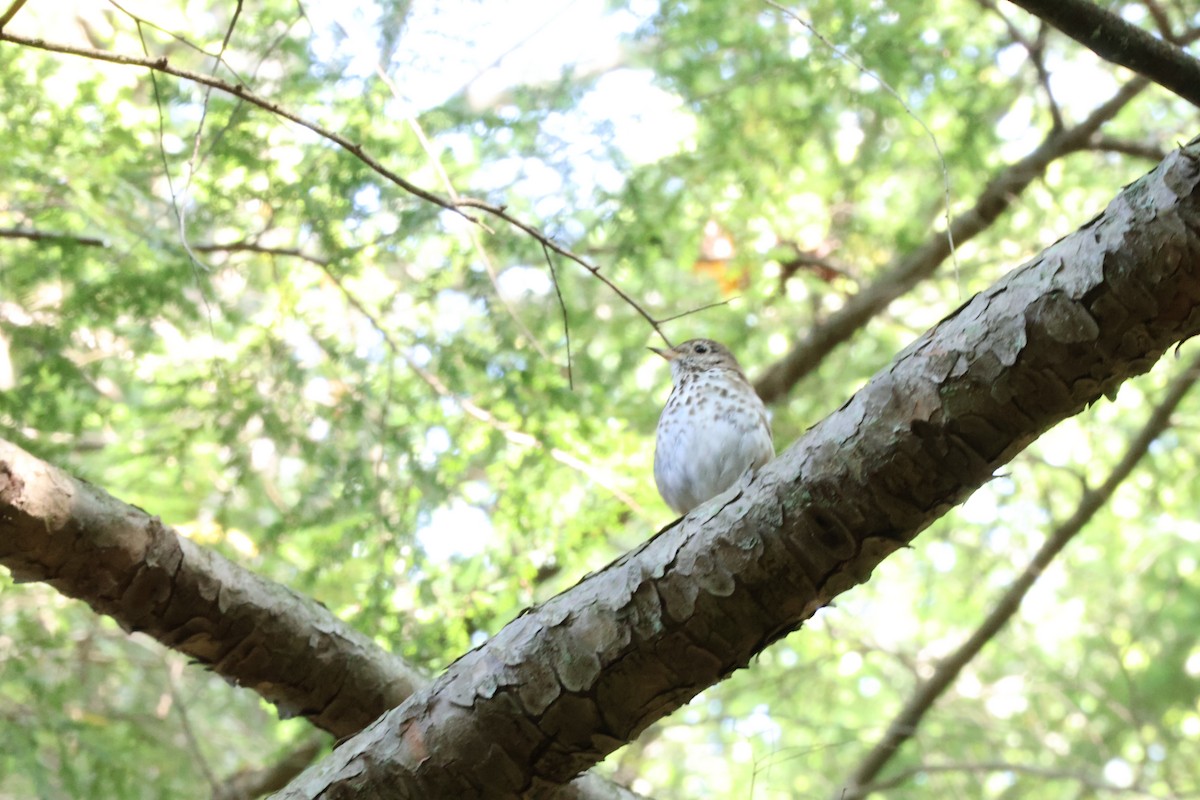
(669, 355)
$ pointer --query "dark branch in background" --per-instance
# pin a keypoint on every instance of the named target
(1126, 147)
(49, 236)
(1115, 40)
(252, 247)
(250, 783)
(1037, 52)
(459, 207)
(908, 270)
(904, 725)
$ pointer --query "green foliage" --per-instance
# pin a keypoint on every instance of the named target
(366, 398)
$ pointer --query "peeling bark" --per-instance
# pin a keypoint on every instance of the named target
(570, 681)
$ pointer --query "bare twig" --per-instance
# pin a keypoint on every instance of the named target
(1037, 51)
(183, 40)
(905, 724)
(245, 246)
(10, 13)
(471, 409)
(1115, 40)
(459, 206)
(500, 212)
(1127, 147)
(562, 306)
(175, 664)
(435, 161)
(51, 236)
(696, 310)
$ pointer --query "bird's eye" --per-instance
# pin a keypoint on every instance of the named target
(700, 349)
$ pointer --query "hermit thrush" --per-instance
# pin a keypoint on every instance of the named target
(713, 429)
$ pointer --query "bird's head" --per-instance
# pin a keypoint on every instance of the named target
(698, 355)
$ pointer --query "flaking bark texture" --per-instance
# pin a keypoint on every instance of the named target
(570, 681)
(127, 564)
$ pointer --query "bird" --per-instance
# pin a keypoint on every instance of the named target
(713, 428)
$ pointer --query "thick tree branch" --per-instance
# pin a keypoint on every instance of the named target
(570, 681)
(128, 565)
(904, 725)
(125, 563)
(1115, 40)
(908, 270)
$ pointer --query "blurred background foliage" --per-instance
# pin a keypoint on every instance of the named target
(240, 327)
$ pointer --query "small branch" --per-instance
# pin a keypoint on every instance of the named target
(10, 13)
(240, 91)
(1126, 147)
(905, 271)
(1115, 40)
(905, 724)
(250, 783)
(691, 311)
(1036, 50)
(50, 236)
(245, 246)
(175, 666)
(448, 186)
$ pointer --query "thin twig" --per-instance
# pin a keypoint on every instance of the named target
(691, 311)
(469, 407)
(50, 236)
(448, 186)
(253, 247)
(183, 40)
(174, 670)
(10, 13)
(459, 207)
(500, 212)
(1045, 773)
(238, 90)
(562, 306)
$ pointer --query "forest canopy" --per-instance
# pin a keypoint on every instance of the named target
(345, 309)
